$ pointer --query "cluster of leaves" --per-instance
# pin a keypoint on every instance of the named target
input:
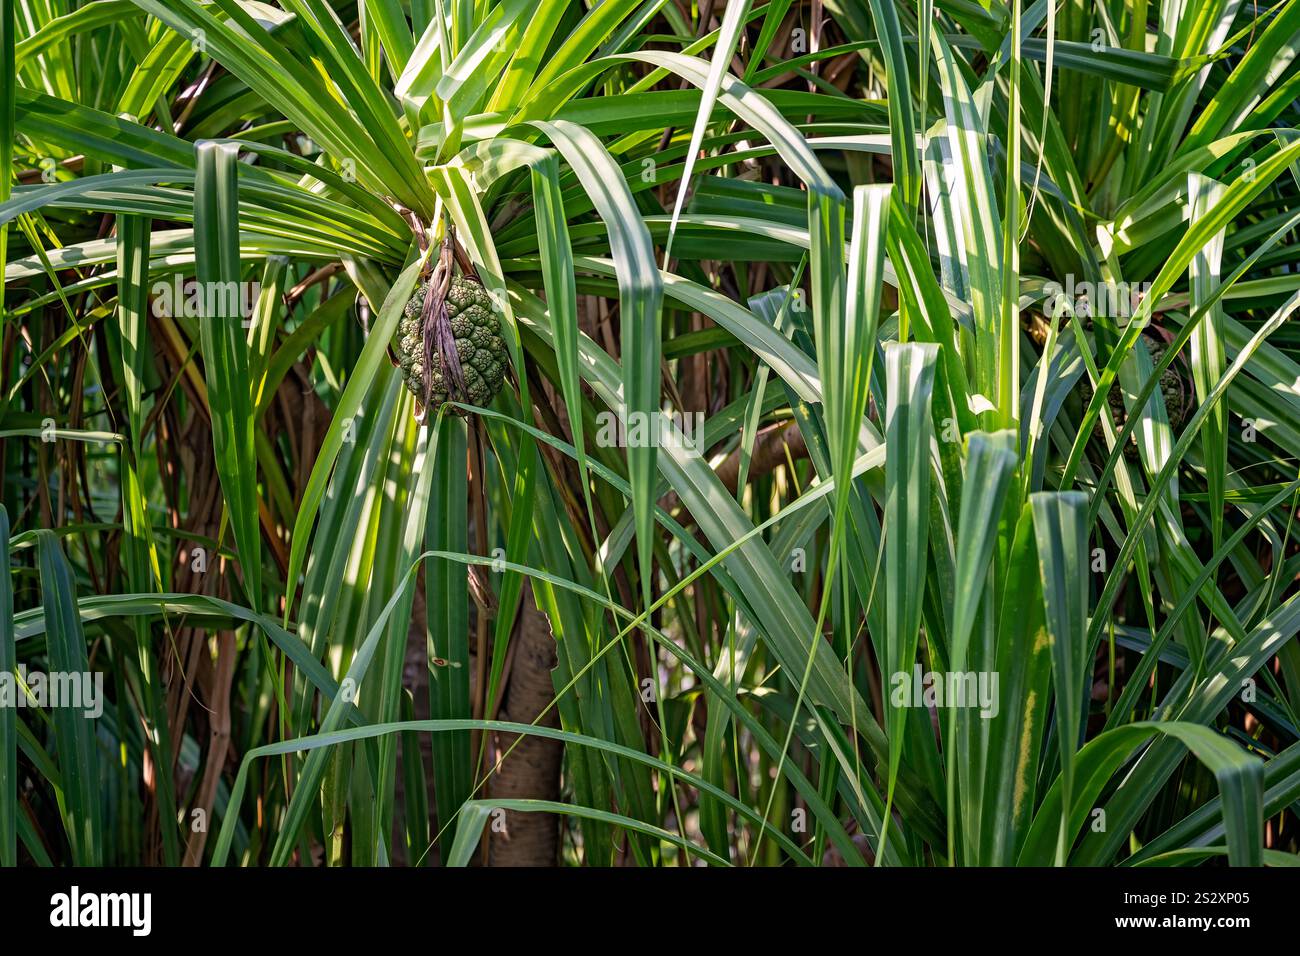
(843, 240)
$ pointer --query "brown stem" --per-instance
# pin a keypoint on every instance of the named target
(218, 742)
(531, 767)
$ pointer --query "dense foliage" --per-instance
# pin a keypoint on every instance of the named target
(896, 461)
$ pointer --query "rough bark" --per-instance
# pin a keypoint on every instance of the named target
(533, 768)
(772, 445)
(415, 678)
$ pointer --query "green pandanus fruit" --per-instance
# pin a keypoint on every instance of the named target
(448, 342)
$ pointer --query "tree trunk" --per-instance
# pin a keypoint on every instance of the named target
(533, 768)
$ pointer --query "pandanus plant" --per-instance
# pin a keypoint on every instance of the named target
(847, 252)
